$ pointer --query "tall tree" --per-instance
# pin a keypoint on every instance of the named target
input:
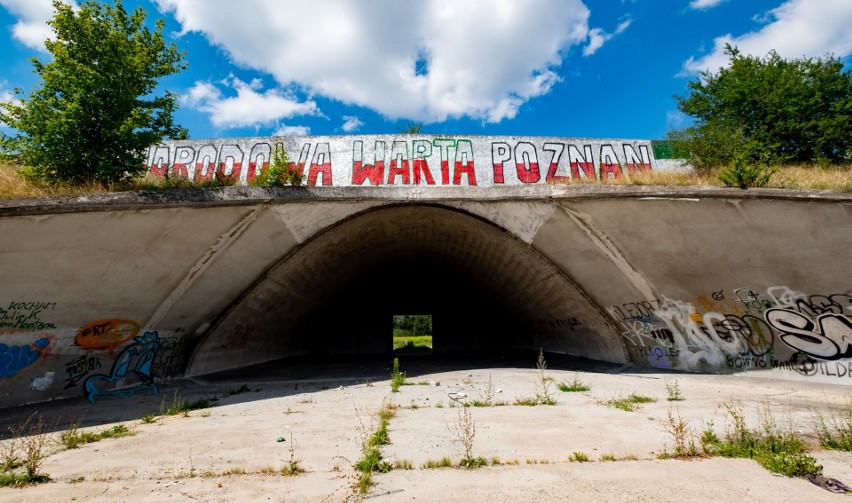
(770, 109)
(95, 113)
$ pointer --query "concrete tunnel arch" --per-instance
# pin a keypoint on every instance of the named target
(335, 294)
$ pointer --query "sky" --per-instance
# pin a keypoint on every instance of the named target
(567, 68)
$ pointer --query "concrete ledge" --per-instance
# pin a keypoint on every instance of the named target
(241, 195)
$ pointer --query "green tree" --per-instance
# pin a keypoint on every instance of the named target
(95, 112)
(769, 109)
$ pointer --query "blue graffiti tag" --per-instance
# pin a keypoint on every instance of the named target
(131, 371)
(13, 359)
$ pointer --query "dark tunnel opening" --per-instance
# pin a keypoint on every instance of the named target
(466, 316)
(486, 290)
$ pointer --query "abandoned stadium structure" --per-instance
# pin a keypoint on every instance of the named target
(107, 295)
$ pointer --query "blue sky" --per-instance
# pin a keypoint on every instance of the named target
(574, 68)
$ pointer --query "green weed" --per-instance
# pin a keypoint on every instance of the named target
(371, 459)
(835, 432)
(579, 457)
(440, 463)
(629, 403)
(673, 391)
(293, 466)
(543, 393)
(24, 453)
(527, 401)
(402, 464)
(473, 463)
(778, 450)
(397, 377)
(574, 385)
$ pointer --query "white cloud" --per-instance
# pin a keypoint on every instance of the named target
(252, 106)
(5, 93)
(704, 4)
(351, 123)
(31, 29)
(292, 131)
(676, 119)
(5, 96)
(423, 60)
(795, 29)
(598, 37)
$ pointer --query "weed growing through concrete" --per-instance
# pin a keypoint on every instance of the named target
(543, 392)
(579, 457)
(183, 406)
(439, 463)
(608, 457)
(673, 391)
(148, 418)
(403, 464)
(486, 398)
(464, 432)
(679, 431)
(371, 460)
(835, 431)
(575, 385)
(629, 403)
(24, 453)
(73, 437)
(397, 377)
(527, 401)
(776, 449)
(293, 466)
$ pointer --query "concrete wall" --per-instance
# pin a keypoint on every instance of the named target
(107, 295)
(342, 161)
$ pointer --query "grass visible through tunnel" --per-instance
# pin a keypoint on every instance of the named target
(412, 334)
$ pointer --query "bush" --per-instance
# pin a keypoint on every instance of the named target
(280, 172)
(795, 110)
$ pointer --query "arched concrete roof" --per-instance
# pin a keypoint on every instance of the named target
(337, 292)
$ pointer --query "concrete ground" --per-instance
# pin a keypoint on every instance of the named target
(323, 410)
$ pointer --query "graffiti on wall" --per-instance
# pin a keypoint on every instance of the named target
(14, 359)
(26, 315)
(406, 160)
(24, 323)
(170, 358)
(78, 368)
(742, 329)
(131, 372)
(106, 334)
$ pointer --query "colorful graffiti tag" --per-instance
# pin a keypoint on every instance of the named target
(406, 160)
(13, 359)
(741, 331)
(130, 373)
(106, 334)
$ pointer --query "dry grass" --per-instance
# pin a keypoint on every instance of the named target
(802, 176)
(674, 178)
(806, 176)
(837, 178)
(14, 186)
